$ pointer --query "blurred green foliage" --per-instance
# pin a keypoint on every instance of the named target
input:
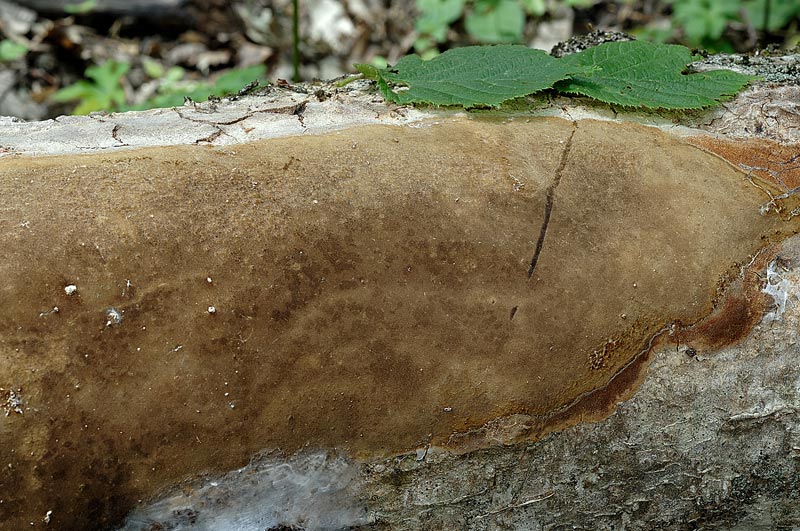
(81, 8)
(174, 90)
(782, 13)
(496, 20)
(704, 22)
(103, 89)
(10, 50)
(486, 21)
(694, 22)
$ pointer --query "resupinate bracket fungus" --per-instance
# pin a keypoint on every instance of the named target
(430, 300)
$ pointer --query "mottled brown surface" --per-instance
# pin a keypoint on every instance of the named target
(365, 283)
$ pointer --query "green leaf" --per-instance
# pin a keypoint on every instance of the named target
(10, 50)
(376, 75)
(81, 8)
(236, 78)
(172, 94)
(641, 74)
(471, 76)
(103, 92)
(368, 71)
(496, 21)
(631, 73)
(174, 74)
(108, 75)
(379, 61)
(90, 97)
(152, 68)
(76, 91)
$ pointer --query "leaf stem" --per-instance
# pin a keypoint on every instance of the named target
(349, 79)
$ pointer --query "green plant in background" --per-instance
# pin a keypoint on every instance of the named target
(82, 8)
(173, 89)
(486, 21)
(435, 18)
(101, 90)
(167, 94)
(703, 22)
(494, 21)
(10, 50)
(490, 21)
(156, 70)
(700, 23)
(772, 15)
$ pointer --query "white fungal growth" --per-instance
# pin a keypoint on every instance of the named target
(780, 288)
(304, 491)
(12, 401)
(212, 309)
(71, 289)
(113, 317)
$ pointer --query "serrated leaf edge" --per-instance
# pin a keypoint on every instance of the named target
(383, 82)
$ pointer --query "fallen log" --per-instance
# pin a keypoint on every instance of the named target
(338, 282)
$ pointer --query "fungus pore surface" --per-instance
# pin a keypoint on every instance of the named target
(172, 311)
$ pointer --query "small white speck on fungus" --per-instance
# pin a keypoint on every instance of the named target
(113, 317)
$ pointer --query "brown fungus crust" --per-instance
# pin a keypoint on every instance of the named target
(373, 290)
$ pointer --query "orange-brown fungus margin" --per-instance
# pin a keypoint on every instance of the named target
(742, 306)
(770, 161)
(366, 290)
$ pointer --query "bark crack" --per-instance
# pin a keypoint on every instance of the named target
(550, 199)
(115, 134)
(295, 109)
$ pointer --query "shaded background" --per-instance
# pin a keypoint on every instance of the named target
(69, 57)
